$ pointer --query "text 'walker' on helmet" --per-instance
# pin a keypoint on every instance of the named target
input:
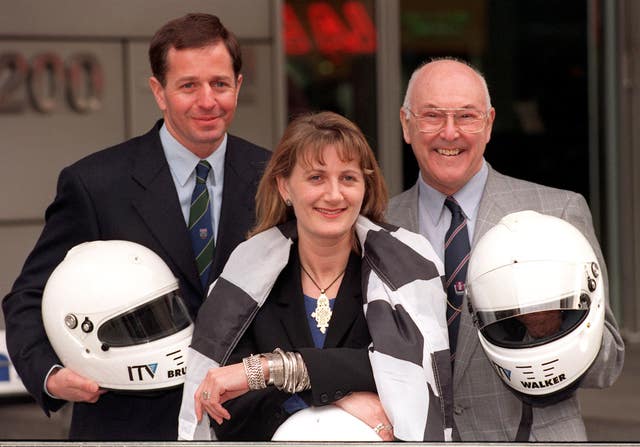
(113, 313)
(536, 292)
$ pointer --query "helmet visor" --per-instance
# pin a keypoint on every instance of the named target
(159, 318)
(532, 303)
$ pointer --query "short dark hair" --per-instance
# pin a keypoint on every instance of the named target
(195, 30)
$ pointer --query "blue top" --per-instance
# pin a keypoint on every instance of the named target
(310, 305)
(295, 402)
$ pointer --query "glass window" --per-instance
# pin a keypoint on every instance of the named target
(534, 56)
(330, 51)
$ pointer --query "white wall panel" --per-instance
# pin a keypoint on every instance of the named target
(128, 18)
(34, 146)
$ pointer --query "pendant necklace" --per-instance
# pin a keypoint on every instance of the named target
(323, 312)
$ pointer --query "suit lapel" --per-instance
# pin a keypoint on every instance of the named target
(157, 203)
(292, 312)
(405, 210)
(347, 305)
(237, 211)
(489, 214)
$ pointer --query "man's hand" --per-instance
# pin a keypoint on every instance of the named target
(542, 324)
(65, 384)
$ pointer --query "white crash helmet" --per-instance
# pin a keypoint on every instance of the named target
(113, 313)
(327, 423)
(530, 263)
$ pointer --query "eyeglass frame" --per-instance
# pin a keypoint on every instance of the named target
(448, 111)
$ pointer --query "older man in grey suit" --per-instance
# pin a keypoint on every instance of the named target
(447, 118)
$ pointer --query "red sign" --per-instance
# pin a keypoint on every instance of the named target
(328, 32)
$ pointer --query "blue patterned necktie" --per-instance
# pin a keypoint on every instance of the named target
(200, 227)
(456, 259)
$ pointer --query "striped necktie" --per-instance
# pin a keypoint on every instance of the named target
(456, 258)
(200, 227)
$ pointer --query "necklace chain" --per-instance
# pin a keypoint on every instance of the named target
(322, 313)
(322, 291)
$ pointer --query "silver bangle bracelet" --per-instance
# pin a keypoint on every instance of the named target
(254, 372)
(289, 371)
(276, 369)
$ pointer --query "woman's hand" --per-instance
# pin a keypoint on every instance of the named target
(366, 406)
(219, 386)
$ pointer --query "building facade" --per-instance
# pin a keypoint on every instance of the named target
(562, 75)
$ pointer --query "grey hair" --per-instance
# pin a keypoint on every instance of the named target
(406, 104)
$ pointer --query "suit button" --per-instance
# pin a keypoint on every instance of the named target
(457, 409)
(338, 395)
(324, 398)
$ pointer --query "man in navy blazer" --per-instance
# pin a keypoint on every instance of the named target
(140, 191)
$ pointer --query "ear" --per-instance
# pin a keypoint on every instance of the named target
(404, 121)
(283, 188)
(238, 85)
(158, 92)
(489, 128)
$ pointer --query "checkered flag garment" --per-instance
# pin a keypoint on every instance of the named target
(404, 304)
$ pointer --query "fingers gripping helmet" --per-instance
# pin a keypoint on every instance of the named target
(537, 296)
(327, 423)
(113, 313)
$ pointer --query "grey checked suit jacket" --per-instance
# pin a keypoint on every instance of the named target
(484, 408)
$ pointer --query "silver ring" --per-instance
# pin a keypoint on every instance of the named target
(206, 395)
(378, 428)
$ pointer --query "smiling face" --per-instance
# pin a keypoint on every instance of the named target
(326, 194)
(199, 98)
(448, 158)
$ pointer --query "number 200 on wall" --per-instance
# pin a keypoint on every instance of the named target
(40, 82)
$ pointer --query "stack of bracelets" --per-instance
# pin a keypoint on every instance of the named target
(287, 371)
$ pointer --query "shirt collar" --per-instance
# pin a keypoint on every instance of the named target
(183, 162)
(468, 197)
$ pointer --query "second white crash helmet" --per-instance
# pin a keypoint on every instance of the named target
(532, 265)
(326, 423)
(113, 313)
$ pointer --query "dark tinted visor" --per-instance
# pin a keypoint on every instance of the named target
(164, 316)
(513, 332)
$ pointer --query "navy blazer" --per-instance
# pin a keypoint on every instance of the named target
(124, 192)
(338, 369)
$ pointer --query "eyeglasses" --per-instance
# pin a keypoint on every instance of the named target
(433, 120)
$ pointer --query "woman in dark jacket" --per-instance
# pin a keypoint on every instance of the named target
(295, 293)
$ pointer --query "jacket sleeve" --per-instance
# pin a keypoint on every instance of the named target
(334, 373)
(608, 364)
(256, 415)
(69, 220)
